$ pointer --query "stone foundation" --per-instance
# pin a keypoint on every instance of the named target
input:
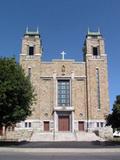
(105, 132)
(19, 135)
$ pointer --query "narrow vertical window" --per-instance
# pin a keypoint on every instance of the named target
(98, 87)
(25, 124)
(29, 72)
(31, 50)
(97, 124)
(101, 123)
(29, 124)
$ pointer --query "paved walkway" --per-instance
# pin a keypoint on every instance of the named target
(60, 150)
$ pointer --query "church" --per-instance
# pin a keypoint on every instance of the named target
(70, 95)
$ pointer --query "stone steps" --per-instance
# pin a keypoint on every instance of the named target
(42, 136)
(64, 136)
(87, 136)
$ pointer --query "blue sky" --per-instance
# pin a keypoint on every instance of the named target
(63, 25)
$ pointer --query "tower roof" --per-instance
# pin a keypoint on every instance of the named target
(32, 33)
(94, 33)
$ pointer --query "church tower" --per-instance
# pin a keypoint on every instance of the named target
(31, 52)
(30, 60)
(96, 79)
(31, 46)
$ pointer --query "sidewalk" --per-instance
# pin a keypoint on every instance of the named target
(60, 150)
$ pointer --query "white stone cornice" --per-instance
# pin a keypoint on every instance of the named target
(64, 108)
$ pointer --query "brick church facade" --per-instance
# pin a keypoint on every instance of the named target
(70, 95)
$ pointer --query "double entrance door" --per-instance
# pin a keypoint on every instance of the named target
(64, 122)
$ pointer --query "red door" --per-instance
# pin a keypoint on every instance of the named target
(46, 126)
(63, 123)
(81, 125)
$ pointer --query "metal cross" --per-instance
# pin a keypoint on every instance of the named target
(63, 55)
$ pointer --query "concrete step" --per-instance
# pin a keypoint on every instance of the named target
(87, 136)
(42, 136)
(65, 136)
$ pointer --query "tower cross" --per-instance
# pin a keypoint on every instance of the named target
(63, 55)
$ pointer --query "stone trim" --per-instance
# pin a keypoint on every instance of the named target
(64, 108)
(46, 77)
(80, 78)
